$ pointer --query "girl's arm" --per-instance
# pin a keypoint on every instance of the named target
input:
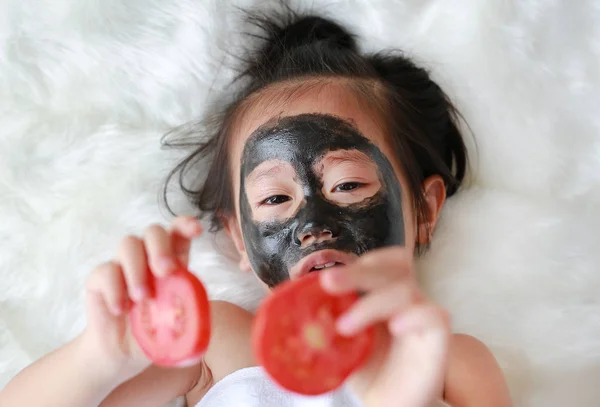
(105, 362)
(154, 387)
(76, 376)
(71, 376)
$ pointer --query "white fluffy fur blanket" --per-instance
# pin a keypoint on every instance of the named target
(87, 89)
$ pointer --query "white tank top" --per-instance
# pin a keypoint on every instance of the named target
(251, 387)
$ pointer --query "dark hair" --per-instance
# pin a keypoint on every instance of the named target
(420, 119)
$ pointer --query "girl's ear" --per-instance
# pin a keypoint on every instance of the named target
(435, 196)
(232, 228)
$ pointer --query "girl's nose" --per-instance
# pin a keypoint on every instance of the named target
(311, 234)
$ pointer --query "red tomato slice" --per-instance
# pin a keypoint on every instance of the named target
(295, 340)
(173, 326)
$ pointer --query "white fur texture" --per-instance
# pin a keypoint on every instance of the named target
(87, 89)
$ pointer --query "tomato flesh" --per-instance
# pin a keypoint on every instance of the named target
(172, 327)
(295, 340)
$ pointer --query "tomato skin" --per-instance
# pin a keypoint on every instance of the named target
(295, 340)
(173, 326)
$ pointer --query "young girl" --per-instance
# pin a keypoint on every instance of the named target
(329, 161)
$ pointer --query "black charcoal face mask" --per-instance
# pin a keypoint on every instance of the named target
(274, 246)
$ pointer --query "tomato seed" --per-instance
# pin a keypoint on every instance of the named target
(314, 336)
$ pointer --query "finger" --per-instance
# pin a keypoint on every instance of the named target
(371, 271)
(159, 250)
(132, 257)
(183, 230)
(378, 306)
(422, 318)
(107, 283)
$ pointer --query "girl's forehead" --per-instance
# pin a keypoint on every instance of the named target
(333, 103)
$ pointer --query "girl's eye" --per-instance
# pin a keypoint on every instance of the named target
(347, 186)
(275, 200)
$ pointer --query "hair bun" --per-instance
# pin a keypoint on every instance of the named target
(311, 30)
(291, 41)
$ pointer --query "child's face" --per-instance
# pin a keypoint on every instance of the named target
(315, 183)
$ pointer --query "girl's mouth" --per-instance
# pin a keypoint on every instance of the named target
(321, 259)
(327, 265)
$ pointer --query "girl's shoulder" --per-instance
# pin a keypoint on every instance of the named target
(223, 308)
(472, 365)
(230, 348)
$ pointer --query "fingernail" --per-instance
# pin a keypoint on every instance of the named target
(193, 226)
(339, 275)
(166, 264)
(397, 325)
(116, 309)
(345, 325)
(138, 293)
(331, 277)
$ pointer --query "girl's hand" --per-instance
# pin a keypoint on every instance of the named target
(408, 365)
(113, 285)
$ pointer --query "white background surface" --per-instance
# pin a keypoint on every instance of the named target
(87, 89)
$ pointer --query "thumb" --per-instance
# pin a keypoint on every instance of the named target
(101, 318)
(106, 295)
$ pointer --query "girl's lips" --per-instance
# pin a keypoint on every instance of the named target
(320, 258)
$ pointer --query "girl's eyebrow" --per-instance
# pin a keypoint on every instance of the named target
(258, 174)
(341, 156)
